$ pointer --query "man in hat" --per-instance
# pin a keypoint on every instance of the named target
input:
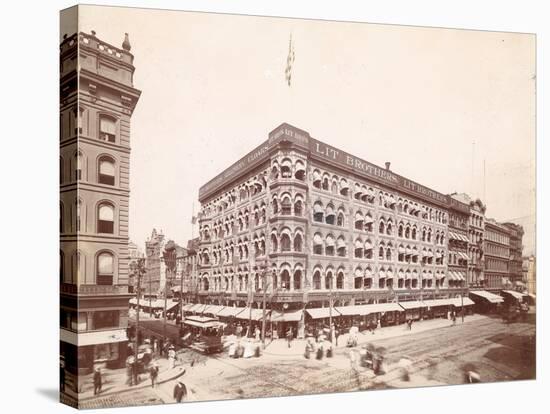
(180, 391)
(97, 381)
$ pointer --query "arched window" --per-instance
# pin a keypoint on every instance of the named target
(298, 242)
(318, 212)
(61, 170)
(381, 227)
(359, 248)
(286, 168)
(388, 254)
(317, 280)
(330, 245)
(61, 218)
(330, 215)
(389, 229)
(334, 188)
(328, 281)
(297, 279)
(413, 233)
(381, 253)
(286, 206)
(298, 208)
(359, 221)
(300, 173)
(325, 183)
(275, 206)
(285, 280)
(340, 220)
(105, 218)
(317, 244)
(79, 160)
(285, 242)
(106, 171)
(340, 280)
(107, 128)
(61, 266)
(78, 214)
(341, 247)
(408, 232)
(400, 231)
(105, 268)
(274, 243)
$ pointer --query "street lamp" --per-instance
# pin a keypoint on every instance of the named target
(169, 255)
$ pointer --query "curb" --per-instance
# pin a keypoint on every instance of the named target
(138, 387)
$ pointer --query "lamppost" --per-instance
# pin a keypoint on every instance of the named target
(169, 255)
(138, 270)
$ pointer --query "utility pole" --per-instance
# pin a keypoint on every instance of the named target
(169, 256)
(138, 271)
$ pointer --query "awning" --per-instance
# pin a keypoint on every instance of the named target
(287, 316)
(300, 166)
(229, 311)
(438, 302)
(414, 304)
(255, 315)
(358, 244)
(513, 293)
(316, 176)
(368, 219)
(381, 274)
(359, 216)
(359, 272)
(389, 274)
(368, 245)
(400, 275)
(317, 208)
(414, 252)
(427, 276)
(317, 240)
(344, 184)
(102, 337)
(320, 313)
(358, 189)
(463, 255)
(458, 302)
(188, 306)
(440, 275)
(368, 273)
(401, 250)
(213, 309)
(408, 251)
(491, 297)
(362, 310)
(329, 211)
(197, 308)
(341, 243)
(330, 241)
(520, 284)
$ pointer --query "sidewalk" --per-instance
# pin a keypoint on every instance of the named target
(280, 347)
(115, 381)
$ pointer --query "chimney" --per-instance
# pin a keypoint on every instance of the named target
(388, 165)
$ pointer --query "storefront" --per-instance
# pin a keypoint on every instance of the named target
(485, 302)
(413, 309)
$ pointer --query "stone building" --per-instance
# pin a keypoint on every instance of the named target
(516, 255)
(98, 98)
(497, 255)
(313, 225)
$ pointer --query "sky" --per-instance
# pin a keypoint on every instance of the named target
(451, 109)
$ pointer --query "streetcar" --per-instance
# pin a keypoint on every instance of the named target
(203, 334)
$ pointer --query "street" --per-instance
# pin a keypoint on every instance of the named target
(498, 351)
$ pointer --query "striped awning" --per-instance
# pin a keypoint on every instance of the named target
(368, 309)
(413, 304)
(287, 316)
(491, 297)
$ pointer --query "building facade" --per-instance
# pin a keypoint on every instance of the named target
(516, 255)
(529, 274)
(156, 271)
(497, 255)
(97, 101)
(311, 225)
(476, 235)
(458, 242)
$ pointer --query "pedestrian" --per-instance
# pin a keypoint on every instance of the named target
(154, 372)
(454, 318)
(97, 381)
(172, 356)
(257, 333)
(180, 391)
(135, 372)
(336, 335)
(289, 336)
(409, 323)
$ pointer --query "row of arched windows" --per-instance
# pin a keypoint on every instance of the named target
(106, 169)
(286, 168)
(104, 268)
(243, 192)
(105, 217)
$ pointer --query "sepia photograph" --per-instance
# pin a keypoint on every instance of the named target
(261, 206)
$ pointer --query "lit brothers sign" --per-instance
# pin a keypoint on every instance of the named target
(336, 156)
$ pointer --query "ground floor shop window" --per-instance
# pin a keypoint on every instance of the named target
(106, 352)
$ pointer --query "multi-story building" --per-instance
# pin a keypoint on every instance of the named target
(186, 270)
(328, 226)
(459, 214)
(476, 230)
(97, 101)
(134, 253)
(497, 255)
(516, 255)
(156, 272)
(529, 274)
